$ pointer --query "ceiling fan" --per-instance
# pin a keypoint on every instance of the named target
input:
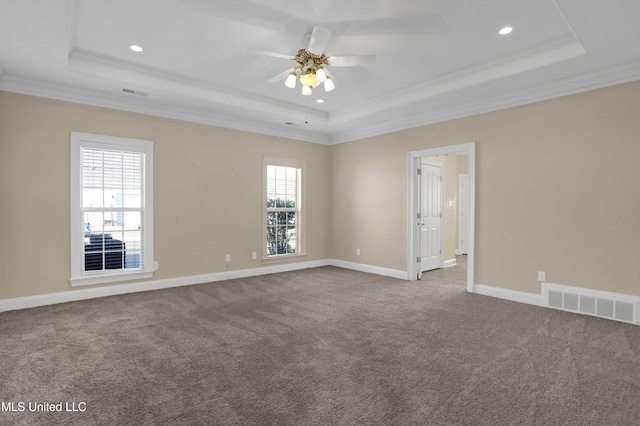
(312, 63)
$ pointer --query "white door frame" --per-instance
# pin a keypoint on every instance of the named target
(462, 220)
(413, 227)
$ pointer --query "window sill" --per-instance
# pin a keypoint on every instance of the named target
(283, 257)
(109, 278)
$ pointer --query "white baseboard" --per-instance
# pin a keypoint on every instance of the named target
(513, 295)
(449, 263)
(542, 299)
(361, 267)
(113, 290)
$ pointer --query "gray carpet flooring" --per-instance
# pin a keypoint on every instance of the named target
(323, 346)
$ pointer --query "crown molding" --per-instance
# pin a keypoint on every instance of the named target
(604, 77)
(550, 52)
(87, 97)
(608, 76)
(151, 79)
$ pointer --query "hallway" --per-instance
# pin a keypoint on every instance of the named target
(454, 275)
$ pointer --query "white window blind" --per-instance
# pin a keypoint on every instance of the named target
(112, 190)
(111, 207)
(283, 208)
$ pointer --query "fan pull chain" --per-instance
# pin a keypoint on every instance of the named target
(306, 111)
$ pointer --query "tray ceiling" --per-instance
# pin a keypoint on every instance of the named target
(435, 59)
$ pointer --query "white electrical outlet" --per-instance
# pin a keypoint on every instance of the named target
(228, 258)
(542, 276)
(358, 252)
(155, 265)
(254, 255)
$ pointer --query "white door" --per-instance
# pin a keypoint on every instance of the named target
(431, 216)
(463, 213)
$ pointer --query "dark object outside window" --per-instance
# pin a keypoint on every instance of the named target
(104, 252)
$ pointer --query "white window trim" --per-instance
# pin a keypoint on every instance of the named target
(79, 140)
(285, 162)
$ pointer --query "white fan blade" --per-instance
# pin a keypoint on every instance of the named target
(352, 61)
(319, 39)
(269, 53)
(281, 76)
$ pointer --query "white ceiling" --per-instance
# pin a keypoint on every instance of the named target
(435, 59)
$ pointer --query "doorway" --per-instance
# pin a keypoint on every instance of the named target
(414, 222)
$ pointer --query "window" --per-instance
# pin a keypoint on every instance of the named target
(284, 208)
(111, 209)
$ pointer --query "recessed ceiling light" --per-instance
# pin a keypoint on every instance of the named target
(320, 101)
(135, 48)
(505, 30)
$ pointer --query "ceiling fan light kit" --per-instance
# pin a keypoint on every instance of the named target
(311, 70)
(321, 76)
(328, 85)
(308, 78)
(290, 82)
(313, 63)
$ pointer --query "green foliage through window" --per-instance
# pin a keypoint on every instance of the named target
(283, 209)
(281, 227)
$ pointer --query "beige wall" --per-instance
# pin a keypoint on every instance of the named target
(557, 190)
(208, 191)
(462, 164)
